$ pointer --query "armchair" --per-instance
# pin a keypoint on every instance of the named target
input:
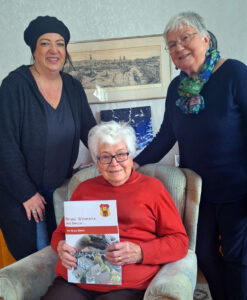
(29, 278)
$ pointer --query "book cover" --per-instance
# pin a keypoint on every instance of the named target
(90, 227)
(138, 117)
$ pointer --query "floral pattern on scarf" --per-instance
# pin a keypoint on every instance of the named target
(191, 102)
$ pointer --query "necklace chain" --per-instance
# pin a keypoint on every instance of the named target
(51, 101)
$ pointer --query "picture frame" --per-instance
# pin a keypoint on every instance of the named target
(124, 69)
(140, 118)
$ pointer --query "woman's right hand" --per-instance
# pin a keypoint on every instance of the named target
(35, 206)
(64, 251)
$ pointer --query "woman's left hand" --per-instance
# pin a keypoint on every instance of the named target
(65, 253)
(124, 253)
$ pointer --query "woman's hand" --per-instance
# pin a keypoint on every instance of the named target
(124, 253)
(64, 251)
(35, 207)
(135, 165)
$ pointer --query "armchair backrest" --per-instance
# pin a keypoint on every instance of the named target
(183, 185)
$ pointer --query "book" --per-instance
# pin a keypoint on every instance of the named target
(90, 227)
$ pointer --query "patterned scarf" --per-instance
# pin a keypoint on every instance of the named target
(191, 102)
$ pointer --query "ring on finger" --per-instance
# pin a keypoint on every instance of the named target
(34, 211)
(119, 259)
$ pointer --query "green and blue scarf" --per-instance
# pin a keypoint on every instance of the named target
(191, 102)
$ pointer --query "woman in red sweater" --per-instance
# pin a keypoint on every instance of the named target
(150, 228)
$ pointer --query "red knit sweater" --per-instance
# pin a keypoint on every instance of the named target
(146, 216)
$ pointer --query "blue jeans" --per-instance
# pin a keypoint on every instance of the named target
(42, 235)
(45, 228)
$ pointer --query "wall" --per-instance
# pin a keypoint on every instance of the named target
(105, 19)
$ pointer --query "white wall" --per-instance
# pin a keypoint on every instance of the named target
(105, 19)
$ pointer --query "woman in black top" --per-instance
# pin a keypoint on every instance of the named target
(206, 113)
(44, 114)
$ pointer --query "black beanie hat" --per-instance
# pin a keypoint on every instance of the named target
(42, 25)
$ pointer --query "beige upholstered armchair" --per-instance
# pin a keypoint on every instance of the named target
(30, 277)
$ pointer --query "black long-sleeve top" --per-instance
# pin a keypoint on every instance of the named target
(214, 142)
(23, 138)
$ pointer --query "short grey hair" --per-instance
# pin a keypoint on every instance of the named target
(186, 18)
(111, 133)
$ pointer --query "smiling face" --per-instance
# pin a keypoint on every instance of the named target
(190, 57)
(116, 173)
(50, 52)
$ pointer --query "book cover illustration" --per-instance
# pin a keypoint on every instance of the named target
(138, 117)
(90, 227)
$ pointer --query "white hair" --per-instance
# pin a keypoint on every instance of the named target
(186, 18)
(111, 133)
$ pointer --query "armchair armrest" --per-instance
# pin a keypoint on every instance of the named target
(174, 281)
(59, 196)
(29, 277)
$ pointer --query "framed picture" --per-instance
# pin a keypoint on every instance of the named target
(138, 117)
(121, 69)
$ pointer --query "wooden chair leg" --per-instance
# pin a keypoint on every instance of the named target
(5, 257)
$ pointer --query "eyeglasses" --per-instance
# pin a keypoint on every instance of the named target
(107, 159)
(184, 41)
